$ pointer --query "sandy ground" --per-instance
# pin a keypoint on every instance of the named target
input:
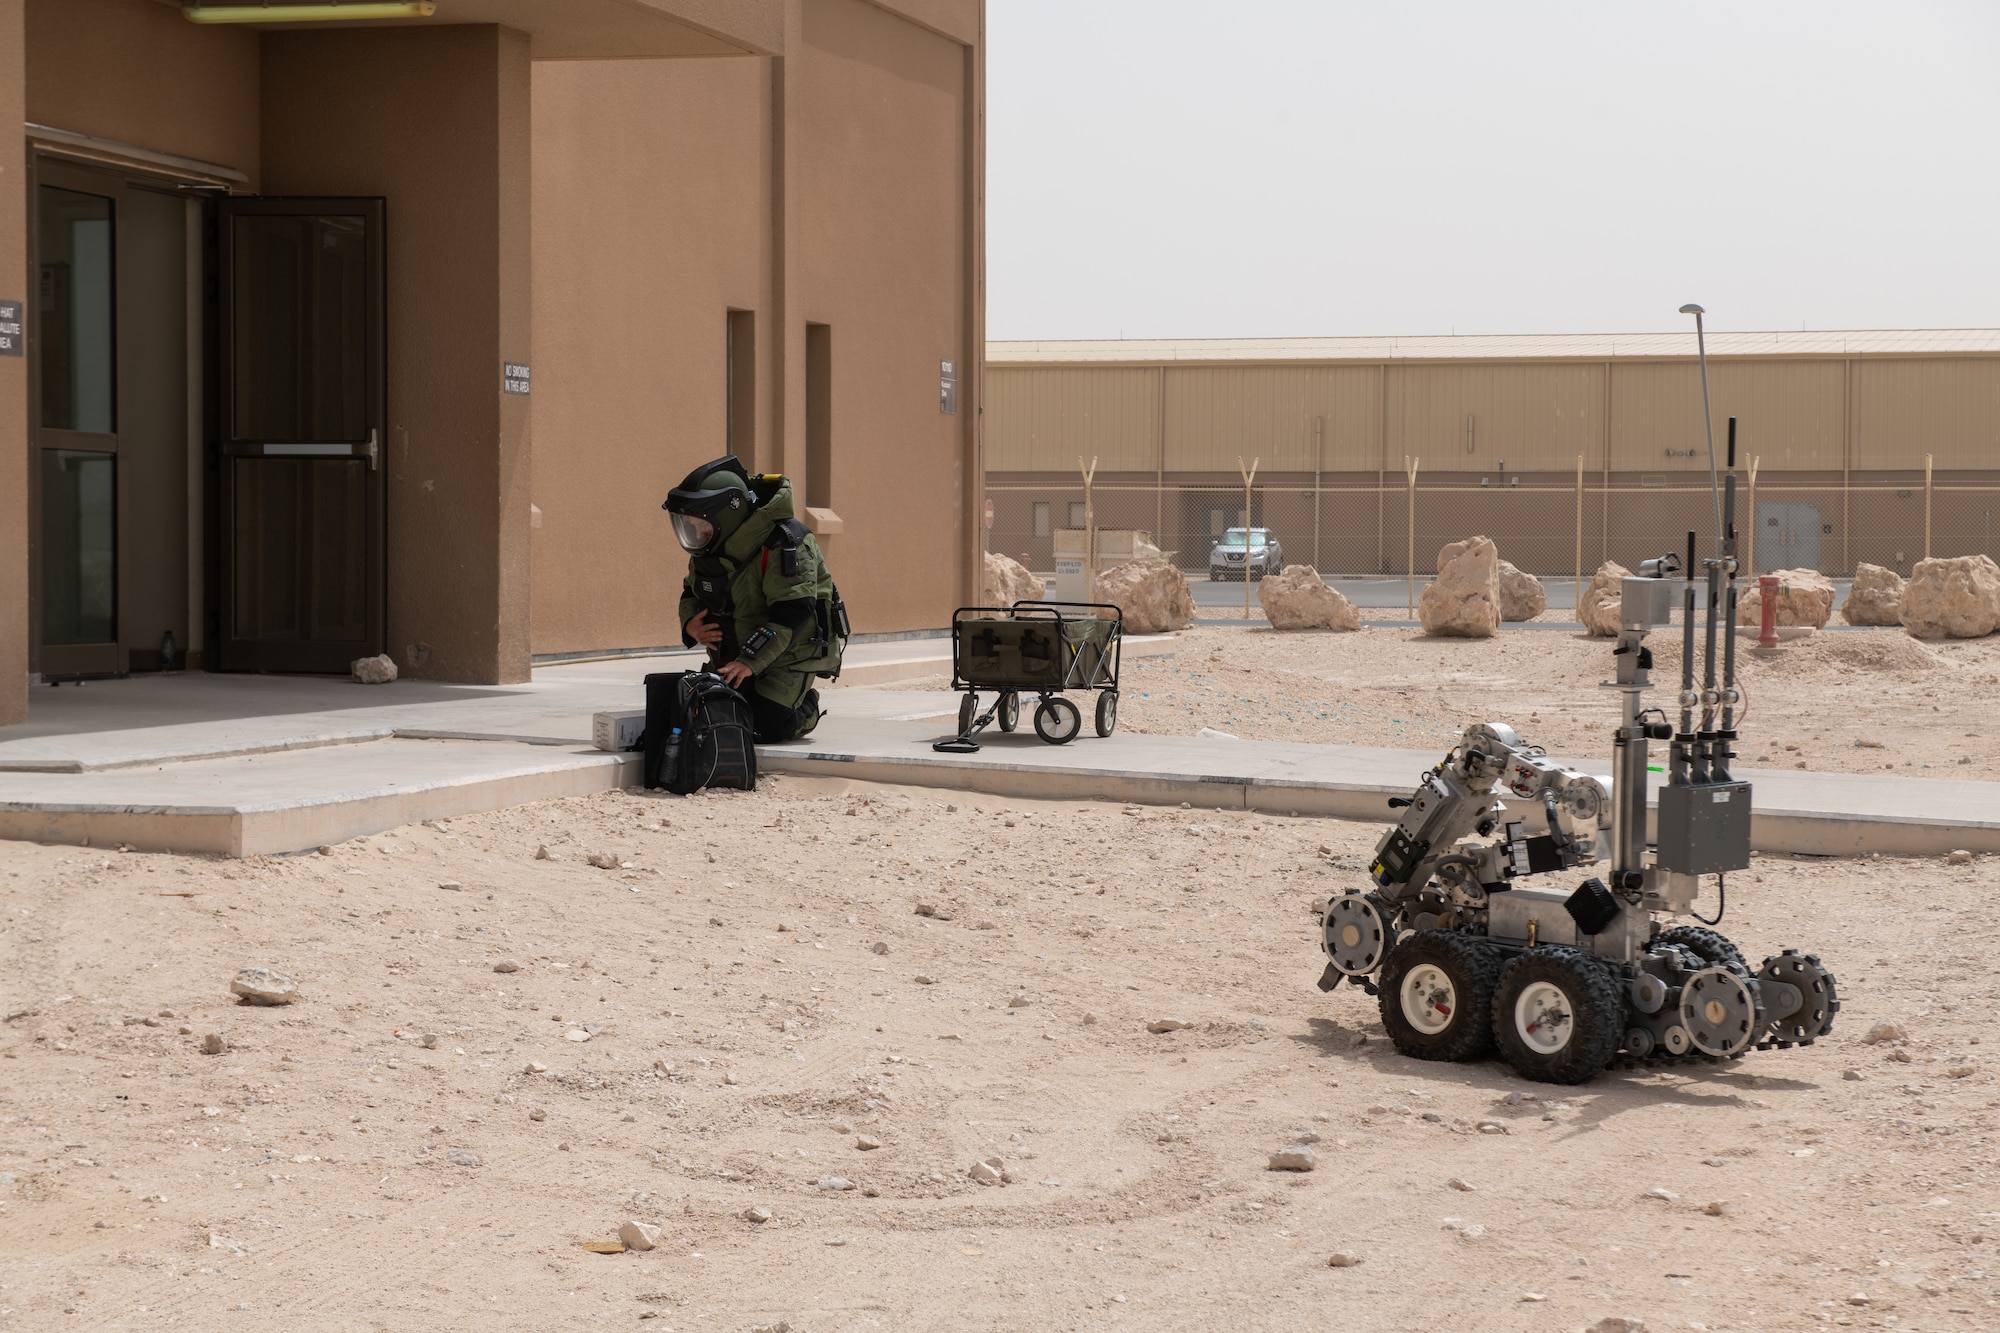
(714, 1025)
(1851, 701)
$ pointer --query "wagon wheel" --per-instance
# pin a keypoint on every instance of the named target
(1057, 720)
(968, 709)
(1107, 712)
(1010, 711)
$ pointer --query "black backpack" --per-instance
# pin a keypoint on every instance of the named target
(699, 733)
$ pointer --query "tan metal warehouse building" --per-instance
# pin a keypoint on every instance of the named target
(1567, 450)
(334, 337)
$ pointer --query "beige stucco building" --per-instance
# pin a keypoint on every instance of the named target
(1874, 445)
(392, 334)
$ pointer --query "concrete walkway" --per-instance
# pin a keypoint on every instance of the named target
(242, 765)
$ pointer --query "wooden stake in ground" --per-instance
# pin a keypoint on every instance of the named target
(1249, 475)
(1411, 464)
(1089, 530)
(1578, 603)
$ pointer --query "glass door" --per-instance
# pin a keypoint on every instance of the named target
(74, 318)
(301, 418)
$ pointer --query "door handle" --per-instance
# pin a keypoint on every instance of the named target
(373, 451)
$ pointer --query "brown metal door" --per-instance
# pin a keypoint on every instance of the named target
(301, 397)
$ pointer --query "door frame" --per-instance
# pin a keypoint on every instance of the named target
(301, 656)
(56, 662)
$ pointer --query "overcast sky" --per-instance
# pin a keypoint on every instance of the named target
(1168, 168)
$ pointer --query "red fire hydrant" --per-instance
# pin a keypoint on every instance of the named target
(1767, 594)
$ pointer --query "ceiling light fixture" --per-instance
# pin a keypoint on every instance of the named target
(267, 13)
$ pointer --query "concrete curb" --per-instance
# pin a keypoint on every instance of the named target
(1773, 828)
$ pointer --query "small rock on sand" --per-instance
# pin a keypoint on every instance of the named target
(260, 985)
(1166, 1024)
(462, 1157)
(867, 1142)
(639, 1235)
(1882, 1032)
(1613, 1323)
(1298, 1157)
(1960, 857)
(757, 1215)
(1342, 1259)
(988, 1172)
(507, 965)
(214, 1044)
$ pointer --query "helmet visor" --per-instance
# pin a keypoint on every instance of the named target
(693, 532)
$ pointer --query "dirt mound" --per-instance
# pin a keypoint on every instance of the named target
(1876, 653)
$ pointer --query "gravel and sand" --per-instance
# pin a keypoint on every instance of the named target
(496, 1058)
(787, 1038)
(1845, 701)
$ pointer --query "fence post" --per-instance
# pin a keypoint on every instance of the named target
(1578, 604)
(1249, 525)
(1319, 466)
(1412, 465)
(1750, 546)
(1089, 531)
(1927, 506)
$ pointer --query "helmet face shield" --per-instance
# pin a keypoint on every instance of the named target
(710, 505)
(694, 533)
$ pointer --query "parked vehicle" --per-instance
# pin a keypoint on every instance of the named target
(1245, 553)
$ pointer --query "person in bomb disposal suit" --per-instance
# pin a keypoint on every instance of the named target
(757, 594)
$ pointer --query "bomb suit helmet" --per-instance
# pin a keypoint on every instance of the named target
(710, 505)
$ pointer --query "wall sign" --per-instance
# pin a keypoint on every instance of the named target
(11, 338)
(948, 387)
(516, 380)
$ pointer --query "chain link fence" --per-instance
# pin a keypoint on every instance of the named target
(1549, 530)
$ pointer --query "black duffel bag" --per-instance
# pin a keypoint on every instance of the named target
(699, 733)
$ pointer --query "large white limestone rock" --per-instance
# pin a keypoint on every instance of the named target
(1805, 597)
(1521, 594)
(1956, 599)
(1604, 599)
(1876, 597)
(1464, 600)
(1154, 596)
(1008, 581)
(1300, 599)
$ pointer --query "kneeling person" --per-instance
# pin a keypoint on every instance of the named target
(757, 594)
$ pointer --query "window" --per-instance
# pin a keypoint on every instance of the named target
(1076, 513)
(819, 416)
(740, 385)
(76, 312)
(1042, 524)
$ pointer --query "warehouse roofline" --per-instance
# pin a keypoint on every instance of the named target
(1497, 347)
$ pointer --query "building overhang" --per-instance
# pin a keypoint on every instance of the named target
(593, 29)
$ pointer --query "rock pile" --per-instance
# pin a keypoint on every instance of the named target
(1876, 597)
(1521, 594)
(1464, 600)
(1154, 596)
(1805, 597)
(1008, 581)
(1604, 599)
(1300, 599)
(1957, 598)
